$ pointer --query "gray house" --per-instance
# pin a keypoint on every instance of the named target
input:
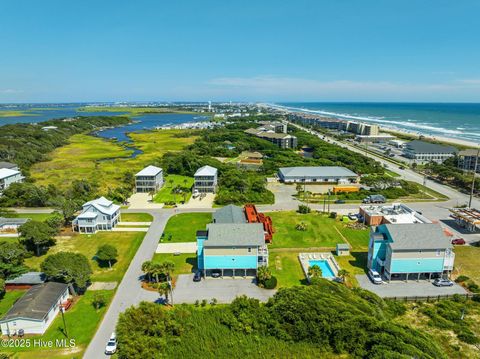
(97, 215)
(423, 152)
(150, 179)
(206, 180)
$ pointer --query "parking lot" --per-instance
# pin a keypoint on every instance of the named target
(224, 290)
(411, 288)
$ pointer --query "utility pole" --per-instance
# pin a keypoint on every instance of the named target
(473, 180)
(62, 310)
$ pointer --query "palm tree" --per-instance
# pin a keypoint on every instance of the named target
(164, 289)
(151, 194)
(314, 271)
(343, 273)
(147, 269)
(157, 270)
(263, 274)
(168, 268)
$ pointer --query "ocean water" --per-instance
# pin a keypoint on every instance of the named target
(454, 120)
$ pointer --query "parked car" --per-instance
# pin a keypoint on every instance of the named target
(458, 241)
(111, 347)
(442, 282)
(197, 277)
(340, 201)
(375, 276)
(216, 273)
(353, 216)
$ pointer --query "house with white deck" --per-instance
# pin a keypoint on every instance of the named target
(150, 179)
(100, 214)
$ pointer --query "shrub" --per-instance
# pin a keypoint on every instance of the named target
(333, 215)
(214, 301)
(304, 209)
(271, 283)
(473, 287)
(99, 301)
(302, 226)
(461, 279)
(476, 298)
(197, 303)
(467, 336)
(203, 303)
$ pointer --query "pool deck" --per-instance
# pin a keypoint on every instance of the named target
(304, 259)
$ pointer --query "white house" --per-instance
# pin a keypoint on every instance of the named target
(320, 174)
(100, 214)
(206, 179)
(9, 176)
(150, 179)
(35, 310)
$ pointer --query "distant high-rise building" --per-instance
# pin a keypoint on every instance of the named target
(210, 106)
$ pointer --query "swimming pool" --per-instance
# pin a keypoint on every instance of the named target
(327, 271)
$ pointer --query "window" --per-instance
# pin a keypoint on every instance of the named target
(249, 250)
(438, 252)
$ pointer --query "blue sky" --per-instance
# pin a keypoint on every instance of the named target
(338, 50)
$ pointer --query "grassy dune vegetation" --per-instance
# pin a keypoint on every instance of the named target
(126, 243)
(104, 162)
(8, 113)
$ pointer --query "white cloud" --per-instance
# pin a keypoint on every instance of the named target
(10, 91)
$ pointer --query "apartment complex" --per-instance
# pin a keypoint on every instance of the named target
(275, 132)
(410, 251)
(150, 179)
(423, 152)
(467, 160)
(206, 180)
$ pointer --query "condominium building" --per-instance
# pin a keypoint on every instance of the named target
(206, 180)
(467, 160)
(424, 152)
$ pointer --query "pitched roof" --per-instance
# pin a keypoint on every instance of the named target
(7, 172)
(414, 236)
(149, 171)
(428, 147)
(28, 278)
(102, 205)
(316, 171)
(235, 234)
(8, 165)
(229, 214)
(206, 171)
(36, 302)
(13, 221)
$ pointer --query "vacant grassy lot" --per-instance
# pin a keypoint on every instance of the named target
(286, 267)
(104, 162)
(185, 263)
(467, 261)
(126, 243)
(183, 227)
(171, 181)
(320, 232)
(33, 216)
(136, 217)
(82, 321)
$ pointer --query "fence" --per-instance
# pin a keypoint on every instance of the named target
(434, 298)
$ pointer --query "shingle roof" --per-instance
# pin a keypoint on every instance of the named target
(229, 214)
(8, 165)
(317, 171)
(149, 171)
(235, 234)
(427, 147)
(206, 171)
(37, 302)
(28, 278)
(416, 236)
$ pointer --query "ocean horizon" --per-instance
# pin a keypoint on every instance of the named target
(453, 120)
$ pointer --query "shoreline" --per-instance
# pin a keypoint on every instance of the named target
(386, 129)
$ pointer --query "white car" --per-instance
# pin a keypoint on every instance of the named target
(375, 276)
(111, 347)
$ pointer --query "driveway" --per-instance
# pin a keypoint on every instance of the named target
(181, 247)
(410, 289)
(205, 202)
(224, 290)
(142, 201)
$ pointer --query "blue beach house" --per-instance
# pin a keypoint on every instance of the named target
(410, 251)
(233, 249)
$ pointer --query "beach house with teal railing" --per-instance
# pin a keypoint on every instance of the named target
(231, 249)
(410, 251)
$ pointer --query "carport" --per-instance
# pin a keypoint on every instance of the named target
(227, 272)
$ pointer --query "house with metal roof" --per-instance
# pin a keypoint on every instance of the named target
(319, 174)
(35, 310)
(11, 224)
(206, 179)
(150, 179)
(233, 249)
(423, 152)
(100, 214)
(25, 280)
(9, 165)
(410, 251)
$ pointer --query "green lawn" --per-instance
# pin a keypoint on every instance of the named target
(355, 263)
(320, 231)
(358, 238)
(136, 217)
(126, 243)
(165, 194)
(185, 263)
(82, 321)
(9, 299)
(183, 227)
(467, 262)
(32, 216)
(286, 267)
